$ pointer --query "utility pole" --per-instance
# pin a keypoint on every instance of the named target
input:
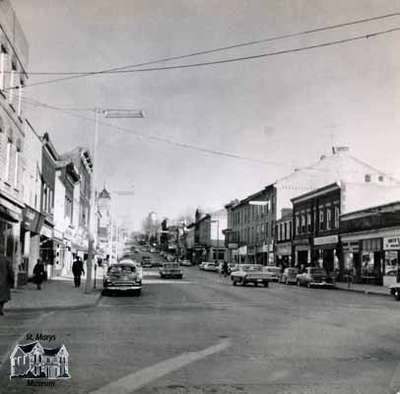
(108, 113)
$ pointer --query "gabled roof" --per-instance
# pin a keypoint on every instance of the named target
(105, 194)
(51, 352)
(28, 347)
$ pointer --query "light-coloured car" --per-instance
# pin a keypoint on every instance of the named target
(209, 266)
(313, 277)
(186, 263)
(251, 273)
(289, 275)
(123, 276)
(274, 271)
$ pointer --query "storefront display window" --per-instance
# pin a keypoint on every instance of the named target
(391, 261)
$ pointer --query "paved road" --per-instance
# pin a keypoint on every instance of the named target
(202, 335)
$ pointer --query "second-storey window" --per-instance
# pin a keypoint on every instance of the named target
(8, 159)
(321, 219)
(337, 214)
(328, 218)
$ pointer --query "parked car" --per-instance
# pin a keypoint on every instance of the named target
(251, 273)
(186, 263)
(201, 265)
(146, 262)
(274, 271)
(171, 270)
(391, 280)
(123, 276)
(289, 275)
(313, 276)
(209, 266)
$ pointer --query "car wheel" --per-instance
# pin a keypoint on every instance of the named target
(244, 283)
(104, 292)
(255, 284)
(234, 283)
(266, 283)
(298, 283)
(397, 295)
(138, 292)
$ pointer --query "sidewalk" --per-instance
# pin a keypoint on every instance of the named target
(56, 294)
(363, 288)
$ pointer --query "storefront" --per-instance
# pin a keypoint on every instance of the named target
(302, 253)
(251, 254)
(32, 222)
(262, 254)
(326, 252)
(284, 254)
(243, 254)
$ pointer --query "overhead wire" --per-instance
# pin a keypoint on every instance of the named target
(114, 70)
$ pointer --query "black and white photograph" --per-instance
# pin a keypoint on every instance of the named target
(200, 196)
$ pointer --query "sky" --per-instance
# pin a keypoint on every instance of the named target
(284, 110)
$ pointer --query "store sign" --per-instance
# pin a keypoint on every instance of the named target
(32, 220)
(391, 243)
(330, 239)
(47, 231)
(243, 250)
(352, 247)
(284, 249)
(232, 245)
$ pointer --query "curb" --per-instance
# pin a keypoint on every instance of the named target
(366, 292)
(56, 308)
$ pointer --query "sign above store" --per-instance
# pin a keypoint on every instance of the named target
(391, 243)
(330, 239)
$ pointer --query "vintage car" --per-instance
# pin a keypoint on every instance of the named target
(138, 266)
(274, 271)
(123, 276)
(210, 266)
(251, 273)
(146, 261)
(171, 270)
(313, 276)
(289, 275)
(392, 281)
(186, 263)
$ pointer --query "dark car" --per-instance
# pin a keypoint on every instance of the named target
(171, 270)
(123, 277)
(314, 277)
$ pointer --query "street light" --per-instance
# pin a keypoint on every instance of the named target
(108, 113)
(217, 221)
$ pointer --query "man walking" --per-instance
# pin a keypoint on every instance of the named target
(77, 270)
(6, 281)
(38, 274)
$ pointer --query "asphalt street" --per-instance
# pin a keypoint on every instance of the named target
(203, 335)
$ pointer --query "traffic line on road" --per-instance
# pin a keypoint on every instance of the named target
(136, 380)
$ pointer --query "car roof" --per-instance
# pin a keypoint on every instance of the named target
(125, 262)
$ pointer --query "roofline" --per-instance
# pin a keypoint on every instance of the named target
(369, 209)
(254, 195)
(316, 192)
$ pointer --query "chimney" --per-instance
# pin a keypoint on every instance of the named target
(340, 149)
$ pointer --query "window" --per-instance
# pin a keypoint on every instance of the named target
(44, 197)
(381, 178)
(367, 178)
(321, 219)
(328, 218)
(309, 222)
(3, 59)
(303, 223)
(297, 225)
(337, 215)
(16, 168)
(8, 159)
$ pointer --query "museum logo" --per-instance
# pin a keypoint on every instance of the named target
(34, 361)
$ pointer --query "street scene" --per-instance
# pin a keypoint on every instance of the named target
(199, 197)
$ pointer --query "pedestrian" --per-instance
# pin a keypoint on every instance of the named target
(77, 270)
(225, 269)
(39, 274)
(6, 281)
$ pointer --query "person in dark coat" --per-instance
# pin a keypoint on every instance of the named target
(6, 281)
(39, 274)
(77, 271)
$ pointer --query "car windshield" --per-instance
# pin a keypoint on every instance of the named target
(122, 269)
(171, 265)
(251, 267)
(317, 271)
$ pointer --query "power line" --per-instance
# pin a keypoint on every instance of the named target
(75, 75)
(168, 141)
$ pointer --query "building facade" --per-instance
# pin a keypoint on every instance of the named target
(14, 53)
(283, 239)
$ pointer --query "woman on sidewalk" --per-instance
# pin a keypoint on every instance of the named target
(38, 274)
(6, 281)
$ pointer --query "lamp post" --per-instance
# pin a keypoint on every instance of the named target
(108, 113)
(217, 221)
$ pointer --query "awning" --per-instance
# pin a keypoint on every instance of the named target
(7, 215)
